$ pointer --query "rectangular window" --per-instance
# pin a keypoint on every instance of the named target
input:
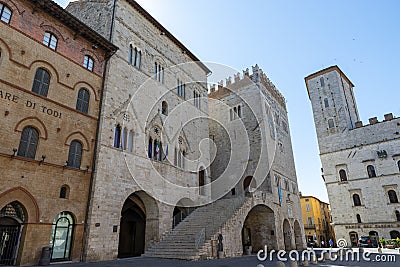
(308, 208)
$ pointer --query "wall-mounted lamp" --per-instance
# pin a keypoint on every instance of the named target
(65, 164)
(42, 160)
(162, 33)
(14, 151)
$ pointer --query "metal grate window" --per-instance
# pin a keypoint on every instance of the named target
(28, 143)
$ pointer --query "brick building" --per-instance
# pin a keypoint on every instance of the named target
(361, 163)
(51, 69)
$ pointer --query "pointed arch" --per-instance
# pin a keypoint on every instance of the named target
(23, 196)
(34, 122)
(78, 136)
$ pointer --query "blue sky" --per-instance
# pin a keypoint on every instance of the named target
(290, 40)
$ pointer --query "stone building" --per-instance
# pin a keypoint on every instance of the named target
(154, 152)
(360, 163)
(317, 220)
(51, 68)
(151, 162)
(254, 163)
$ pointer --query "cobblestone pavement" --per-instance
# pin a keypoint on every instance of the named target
(246, 261)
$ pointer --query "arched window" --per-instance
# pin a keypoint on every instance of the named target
(239, 111)
(75, 154)
(201, 181)
(88, 62)
(331, 124)
(50, 40)
(398, 165)
(343, 175)
(393, 196)
(61, 237)
(135, 56)
(356, 200)
(397, 215)
(28, 143)
(164, 108)
(371, 171)
(358, 218)
(64, 192)
(82, 102)
(326, 102)
(41, 82)
(117, 136)
(5, 13)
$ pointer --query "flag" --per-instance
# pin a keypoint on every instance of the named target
(280, 194)
(166, 153)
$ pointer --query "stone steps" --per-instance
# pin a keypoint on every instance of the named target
(180, 243)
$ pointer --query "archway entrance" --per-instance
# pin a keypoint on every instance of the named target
(353, 239)
(298, 236)
(287, 234)
(138, 225)
(259, 229)
(182, 209)
(373, 235)
(12, 217)
(61, 236)
(394, 234)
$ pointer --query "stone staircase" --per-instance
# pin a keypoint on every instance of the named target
(191, 239)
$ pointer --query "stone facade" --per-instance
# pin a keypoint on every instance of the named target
(254, 157)
(143, 104)
(37, 185)
(360, 162)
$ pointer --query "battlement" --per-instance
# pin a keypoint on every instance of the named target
(242, 80)
(374, 120)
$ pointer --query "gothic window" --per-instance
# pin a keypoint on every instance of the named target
(135, 56)
(239, 111)
(356, 200)
(358, 218)
(130, 141)
(326, 102)
(371, 171)
(41, 82)
(88, 62)
(164, 108)
(75, 154)
(321, 80)
(343, 175)
(158, 72)
(181, 89)
(117, 136)
(50, 40)
(124, 139)
(5, 13)
(398, 165)
(82, 102)
(196, 99)
(28, 143)
(392, 196)
(331, 124)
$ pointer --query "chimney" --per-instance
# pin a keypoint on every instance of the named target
(388, 117)
(373, 120)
